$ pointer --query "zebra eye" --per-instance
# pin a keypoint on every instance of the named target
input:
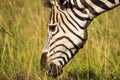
(52, 28)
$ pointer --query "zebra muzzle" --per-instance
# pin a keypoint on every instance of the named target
(54, 70)
(44, 60)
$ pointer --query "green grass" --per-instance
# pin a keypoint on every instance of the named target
(22, 35)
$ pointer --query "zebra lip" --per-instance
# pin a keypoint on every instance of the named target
(43, 60)
(54, 70)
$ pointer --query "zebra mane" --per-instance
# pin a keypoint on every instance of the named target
(47, 3)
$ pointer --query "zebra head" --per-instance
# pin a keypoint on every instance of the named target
(67, 33)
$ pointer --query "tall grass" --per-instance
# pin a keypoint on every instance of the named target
(22, 35)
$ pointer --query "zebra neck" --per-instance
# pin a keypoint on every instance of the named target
(94, 7)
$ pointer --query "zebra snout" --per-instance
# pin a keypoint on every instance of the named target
(54, 70)
(44, 60)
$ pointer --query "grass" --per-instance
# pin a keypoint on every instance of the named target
(22, 35)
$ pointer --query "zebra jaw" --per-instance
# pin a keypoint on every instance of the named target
(53, 69)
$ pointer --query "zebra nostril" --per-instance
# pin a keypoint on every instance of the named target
(54, 70)
(43, 60)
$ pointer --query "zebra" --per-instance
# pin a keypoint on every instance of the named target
(67, 30)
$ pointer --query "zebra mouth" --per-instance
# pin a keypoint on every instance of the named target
(54, 70)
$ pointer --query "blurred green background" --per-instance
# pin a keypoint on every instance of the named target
(23, 26)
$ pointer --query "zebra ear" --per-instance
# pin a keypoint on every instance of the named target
(52, 1)
(60, 2)
(47, 3)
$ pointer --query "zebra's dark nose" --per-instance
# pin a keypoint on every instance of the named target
(43, 60)
(54, 70)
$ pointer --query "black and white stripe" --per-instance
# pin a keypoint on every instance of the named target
(67, 29)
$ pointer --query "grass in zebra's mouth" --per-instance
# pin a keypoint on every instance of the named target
(23, 26)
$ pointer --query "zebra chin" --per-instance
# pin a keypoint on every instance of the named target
(52, 69)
